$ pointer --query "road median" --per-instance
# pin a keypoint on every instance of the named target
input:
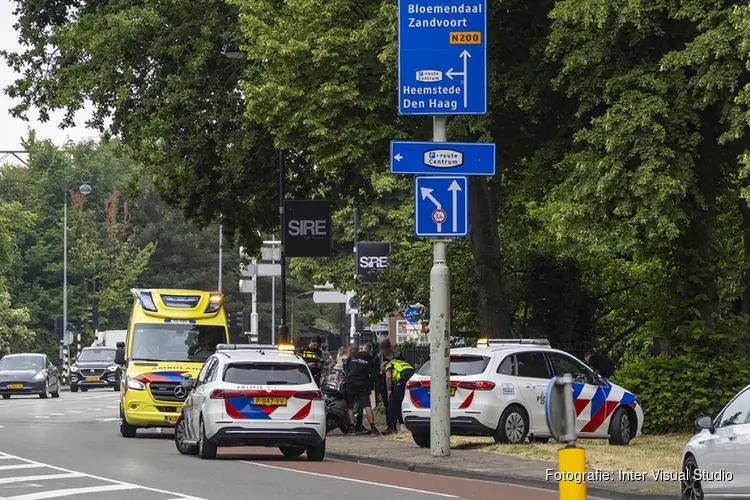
(495, 467)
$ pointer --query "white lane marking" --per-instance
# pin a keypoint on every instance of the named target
(1, 426)
(41, 477)
(113, 407)
(57, 414)
(41, 416)
(100, 478)
(361, 481)
(20, 466)
(75, 411)
(108, 419)
(72, 491)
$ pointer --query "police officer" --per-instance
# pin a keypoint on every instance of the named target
(313, 356)
(397, 374)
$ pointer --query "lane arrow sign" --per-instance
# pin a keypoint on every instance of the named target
(454, 189)
(427, 195)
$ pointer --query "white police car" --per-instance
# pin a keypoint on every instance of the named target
(498, 389)
(252, 395)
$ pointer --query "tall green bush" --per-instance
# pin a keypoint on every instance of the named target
(676, 391)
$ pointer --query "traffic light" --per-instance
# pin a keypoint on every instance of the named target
(59, 329)
(245, 321)
(94, 316)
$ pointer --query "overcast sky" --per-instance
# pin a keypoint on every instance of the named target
(11, 129)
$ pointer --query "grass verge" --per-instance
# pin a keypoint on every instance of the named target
(643, 454)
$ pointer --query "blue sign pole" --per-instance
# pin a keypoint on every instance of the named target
(442, 56)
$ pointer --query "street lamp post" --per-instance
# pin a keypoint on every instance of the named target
(84, 188)
(232, 51)
(294, 299)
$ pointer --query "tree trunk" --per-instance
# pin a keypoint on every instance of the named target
(745, 210)
(494, 313)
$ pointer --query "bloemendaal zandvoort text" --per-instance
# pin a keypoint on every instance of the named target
(437, 22)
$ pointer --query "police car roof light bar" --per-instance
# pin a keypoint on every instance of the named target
(246, 347)
(518, 341)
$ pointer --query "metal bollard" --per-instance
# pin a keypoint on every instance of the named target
(571, 460)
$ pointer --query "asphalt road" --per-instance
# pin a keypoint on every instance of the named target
(71, 448)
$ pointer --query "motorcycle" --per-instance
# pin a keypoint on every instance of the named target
(335, 407)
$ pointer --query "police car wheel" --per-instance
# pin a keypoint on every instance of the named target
(620, 431)
(317, 453)
(513, 426)
(291, 451)
(179, 436)
(421, 438)
(206, 449)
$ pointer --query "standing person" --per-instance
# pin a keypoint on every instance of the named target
(358, 384)
(338, 369)
(397, 374)
(387, 353)
(313, 355)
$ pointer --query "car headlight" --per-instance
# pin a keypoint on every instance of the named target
(112, 368)
(134, 384)
(74, 368)
(39, 376)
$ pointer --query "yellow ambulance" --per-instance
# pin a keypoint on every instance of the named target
(171, 334)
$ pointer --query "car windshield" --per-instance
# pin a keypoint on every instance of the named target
(22, 363)
(267, 374)
(176, 342)
(461, 365)
(93, 355)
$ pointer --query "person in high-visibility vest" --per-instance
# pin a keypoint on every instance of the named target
(313, 356)
(397, 374)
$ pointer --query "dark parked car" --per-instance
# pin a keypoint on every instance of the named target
(28, 374)
(94, 368)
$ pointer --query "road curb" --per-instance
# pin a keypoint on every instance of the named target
(437, 470)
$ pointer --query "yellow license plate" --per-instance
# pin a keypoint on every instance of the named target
(453, 391)
(171, 420)
(15, 386)
(92, 379)
(266, 401)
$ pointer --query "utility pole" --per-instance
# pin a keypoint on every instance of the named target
(221, 234)
(440, 307)
(254, 313)
(273, 297)
(353, 316)
(283, 329)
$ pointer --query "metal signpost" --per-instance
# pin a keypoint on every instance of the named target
(560, 413)
(442, 71)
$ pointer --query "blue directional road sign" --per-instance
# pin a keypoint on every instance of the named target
(457, 158)
(441, 206)
(442, 57)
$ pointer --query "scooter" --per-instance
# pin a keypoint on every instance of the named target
(335, 406)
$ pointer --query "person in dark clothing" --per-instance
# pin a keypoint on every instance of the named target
(358, 384)
(600, 363)
(313, 355)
